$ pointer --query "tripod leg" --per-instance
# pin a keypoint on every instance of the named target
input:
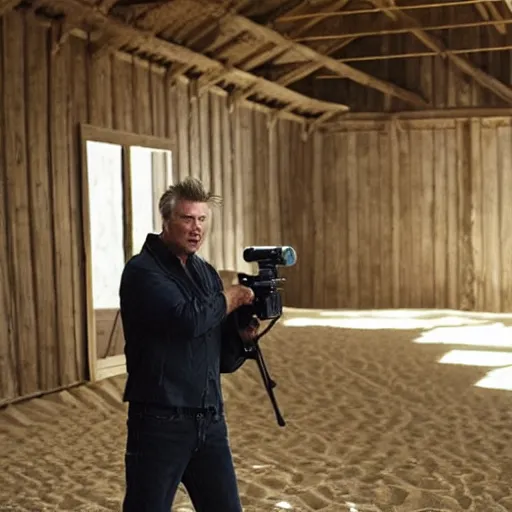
(269, 384)
(264, 369)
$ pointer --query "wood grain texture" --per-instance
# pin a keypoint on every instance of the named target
(476, 79)
(383, 213)
(18, 203)
(9, 378)
(43, 333)
(414, 215)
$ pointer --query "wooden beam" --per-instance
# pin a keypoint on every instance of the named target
(482, 11)
(338, 5)
(106, 5)
(7, 5)
(352, 12)
(508, 3)
(107, 43)
(280, 9)
(304, 70)
(403, 29)
(501, 28)
(269, 51)
(426, 53)
(210, 25)
(298, 73)
(451, 114)
(462, 63)
(262, 54)
(65, 29)
(146, 42)
(488, 9)
(344, 70)
(274, 116)
(313, 125)
(207, 80)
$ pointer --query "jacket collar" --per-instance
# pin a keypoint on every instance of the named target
(155, 245)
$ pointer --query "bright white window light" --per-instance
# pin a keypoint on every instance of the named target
(490, 335)
(477, 358)
(370, 321)
(284, 505)
(500, 378)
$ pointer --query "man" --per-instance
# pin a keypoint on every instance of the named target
(178, 322)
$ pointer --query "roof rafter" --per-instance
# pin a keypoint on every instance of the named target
(269, 51)
(7, 5)
(337, 67)
(105, 5)
(310, 23)
(425, 53)
(488, 9)
(423, 6)
(435, 44)
(209, 26)
(148, 43)
(301, 71)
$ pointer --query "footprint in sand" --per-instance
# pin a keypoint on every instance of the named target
(256, 491)
(464, 501)
(318, 444)
(326, 491)
(313, 500)
(398, 495)
(273, 483)
(297, 478)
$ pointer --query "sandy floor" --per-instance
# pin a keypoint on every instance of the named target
(376, 422)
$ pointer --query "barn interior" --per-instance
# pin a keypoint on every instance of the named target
(375, 137)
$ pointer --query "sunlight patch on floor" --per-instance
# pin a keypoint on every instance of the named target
(500, 378)
(370, 323)
(490, 335)
(403, 319)
(477, 358)
(443, 327)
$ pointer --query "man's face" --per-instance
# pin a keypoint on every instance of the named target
(186, 228)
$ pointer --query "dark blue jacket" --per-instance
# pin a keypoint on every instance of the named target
(176, 330)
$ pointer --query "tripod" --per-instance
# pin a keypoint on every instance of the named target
(254, 352)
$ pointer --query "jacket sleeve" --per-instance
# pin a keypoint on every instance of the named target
(159, 302)
(233, 351)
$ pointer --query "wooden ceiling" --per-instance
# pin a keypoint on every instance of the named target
(262, 50)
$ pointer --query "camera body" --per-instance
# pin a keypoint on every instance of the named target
(267, 304)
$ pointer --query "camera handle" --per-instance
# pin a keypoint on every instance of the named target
(254, 352)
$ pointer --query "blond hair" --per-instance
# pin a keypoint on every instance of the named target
(190, 189)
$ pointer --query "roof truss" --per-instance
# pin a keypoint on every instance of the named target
(277, 43)
(436, 45)
(273, 45)
(211, 70)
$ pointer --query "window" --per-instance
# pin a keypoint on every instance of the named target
(123, 177)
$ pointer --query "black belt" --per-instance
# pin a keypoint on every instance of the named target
(142, 408)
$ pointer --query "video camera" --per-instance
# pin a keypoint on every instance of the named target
(267, 304)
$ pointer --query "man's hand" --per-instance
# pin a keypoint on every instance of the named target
(238, 295)
(250, 333)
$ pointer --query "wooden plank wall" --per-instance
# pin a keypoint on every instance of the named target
(404, 214)
(43, 97)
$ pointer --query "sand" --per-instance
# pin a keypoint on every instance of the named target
(375, 422)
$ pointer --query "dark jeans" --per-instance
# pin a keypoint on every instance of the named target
(166, 447)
